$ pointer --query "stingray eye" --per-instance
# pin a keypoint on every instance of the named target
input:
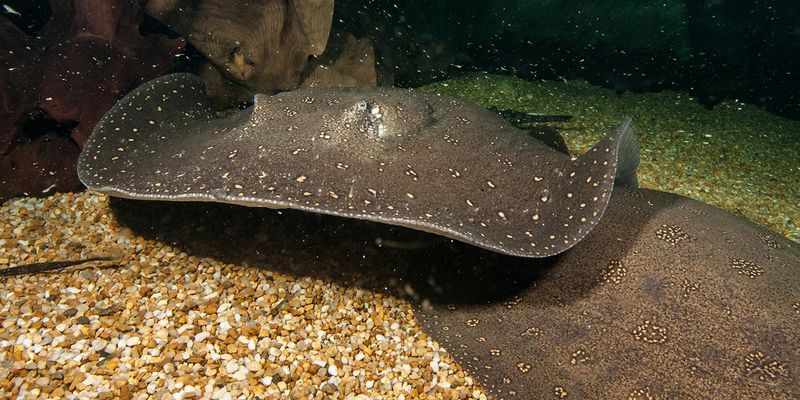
(361, 105)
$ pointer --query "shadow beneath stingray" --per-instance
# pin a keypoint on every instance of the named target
(284, 241)
(349, 252)
(469, 276)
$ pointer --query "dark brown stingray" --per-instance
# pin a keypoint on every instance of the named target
(424, 161)
(668, 298)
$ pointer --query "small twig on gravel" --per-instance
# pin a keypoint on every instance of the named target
(35, 268)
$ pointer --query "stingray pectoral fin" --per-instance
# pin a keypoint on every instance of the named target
(619, 152)
(576, 193)
(140, 123)
(628, 158)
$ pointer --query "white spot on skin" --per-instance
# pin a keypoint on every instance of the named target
(501, 214)
(491, 184)
(411, 173)
(301, 178)
(535, 217)
(410, 195)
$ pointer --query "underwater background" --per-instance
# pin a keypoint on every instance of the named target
(699, 73)
(712, 86)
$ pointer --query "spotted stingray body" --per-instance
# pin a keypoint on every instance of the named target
(667, 298)
(424, 161)
(651, 295)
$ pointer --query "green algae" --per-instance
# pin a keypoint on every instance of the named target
(737, 156)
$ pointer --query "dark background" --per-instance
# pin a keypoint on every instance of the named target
(714, 49)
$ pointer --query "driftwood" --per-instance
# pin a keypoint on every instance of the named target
(262, 46)
(347, 62)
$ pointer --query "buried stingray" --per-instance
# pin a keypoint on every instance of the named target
(667, 297)
(424, 161)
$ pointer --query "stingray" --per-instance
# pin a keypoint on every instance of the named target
(424, 161)
(667, 298)
(639, 294)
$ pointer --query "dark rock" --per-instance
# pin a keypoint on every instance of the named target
(57, 83)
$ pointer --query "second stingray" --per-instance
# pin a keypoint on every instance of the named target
(423, 161)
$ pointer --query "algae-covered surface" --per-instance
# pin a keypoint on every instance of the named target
(737, 156)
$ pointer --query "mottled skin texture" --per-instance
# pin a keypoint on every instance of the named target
(428, 162)
(667, 298)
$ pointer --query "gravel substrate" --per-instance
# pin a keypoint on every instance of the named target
(214, 301)
(159, 322)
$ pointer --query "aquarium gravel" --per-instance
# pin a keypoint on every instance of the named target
(159, 323)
